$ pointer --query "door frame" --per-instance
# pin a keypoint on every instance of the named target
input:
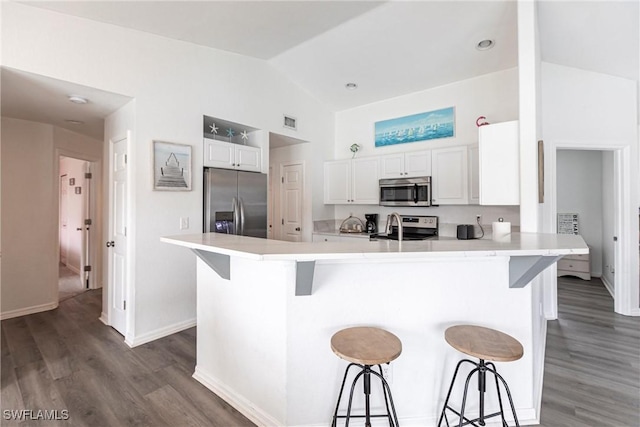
(626, 289)
(95, 255)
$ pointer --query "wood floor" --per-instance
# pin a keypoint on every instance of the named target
(66, 359)
(592, 361)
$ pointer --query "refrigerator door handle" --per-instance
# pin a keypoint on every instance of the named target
(241, 204)
(207, 203)
(236, 215)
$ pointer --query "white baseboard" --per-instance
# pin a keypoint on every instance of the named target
(73, 268)
(246, 408)
(608, 285)
(159, 333)
(28, 310)
(104, 318)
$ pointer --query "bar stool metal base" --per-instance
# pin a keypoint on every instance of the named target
(481, 369)
(365, 373)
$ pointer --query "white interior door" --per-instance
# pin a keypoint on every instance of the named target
(117, 243)
(292, 191)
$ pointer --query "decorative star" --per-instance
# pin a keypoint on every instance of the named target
(214, 128)
(244, 135)
(229, 132)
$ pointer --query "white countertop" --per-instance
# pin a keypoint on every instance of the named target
(518, 244)
(361, 235)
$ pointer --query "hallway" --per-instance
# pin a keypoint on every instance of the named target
(69, 283)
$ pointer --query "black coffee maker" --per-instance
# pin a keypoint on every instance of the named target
(372, 223)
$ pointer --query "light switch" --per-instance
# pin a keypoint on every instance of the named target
(184, 223)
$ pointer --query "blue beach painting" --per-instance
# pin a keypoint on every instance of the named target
(418, 127)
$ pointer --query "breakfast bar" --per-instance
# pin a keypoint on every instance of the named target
(267, 309)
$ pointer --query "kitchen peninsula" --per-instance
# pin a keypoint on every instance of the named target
(266, 310)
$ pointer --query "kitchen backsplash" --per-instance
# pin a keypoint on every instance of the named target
(449, 216)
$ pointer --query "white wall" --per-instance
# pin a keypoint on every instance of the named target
(30, 212)
(494, 96)
(174, 84)
(580, 190)
(583, 109)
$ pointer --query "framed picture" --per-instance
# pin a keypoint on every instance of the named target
(418, 127)
(171, 166)
(568, 223)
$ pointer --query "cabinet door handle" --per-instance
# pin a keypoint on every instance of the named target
(297, 228)
(111, 244)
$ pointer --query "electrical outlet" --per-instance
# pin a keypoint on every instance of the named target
(387, 372)
(478, 218)
(184, 223)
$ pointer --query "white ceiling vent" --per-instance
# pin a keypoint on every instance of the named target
(290, 122)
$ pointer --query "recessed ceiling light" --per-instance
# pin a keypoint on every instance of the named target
(351, 86)
(76, 99)
(74, 122)
(485, 44)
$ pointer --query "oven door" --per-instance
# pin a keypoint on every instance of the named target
(405, 192)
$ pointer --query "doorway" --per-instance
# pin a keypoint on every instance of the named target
(289, 185)
(585, 192)
(74, 227)
(622, 259)
(291, 190)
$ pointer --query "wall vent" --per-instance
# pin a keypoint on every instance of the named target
(290, 122)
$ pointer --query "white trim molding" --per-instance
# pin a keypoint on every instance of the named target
(626, 291)
(134, 341)
(28, 310)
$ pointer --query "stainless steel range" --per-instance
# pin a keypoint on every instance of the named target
(414, 227)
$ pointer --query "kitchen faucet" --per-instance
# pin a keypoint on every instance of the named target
(395, 215)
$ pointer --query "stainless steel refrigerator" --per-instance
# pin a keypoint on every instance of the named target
(235, 202)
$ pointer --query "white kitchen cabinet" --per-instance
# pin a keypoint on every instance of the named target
(406, 165)
(450, 174)
(221, 154)
(337, 182)
(353, 181)
(499, 166)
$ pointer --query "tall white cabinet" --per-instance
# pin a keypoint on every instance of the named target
(499, 165)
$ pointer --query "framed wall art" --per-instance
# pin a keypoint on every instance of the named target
(417, 127)
(171, 166)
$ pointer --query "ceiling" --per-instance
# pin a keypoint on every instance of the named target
(42, 99)
(387, 48)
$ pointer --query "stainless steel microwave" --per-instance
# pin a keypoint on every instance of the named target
(406, 191)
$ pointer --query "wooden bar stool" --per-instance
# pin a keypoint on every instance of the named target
(365, 347)
(485, 344)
